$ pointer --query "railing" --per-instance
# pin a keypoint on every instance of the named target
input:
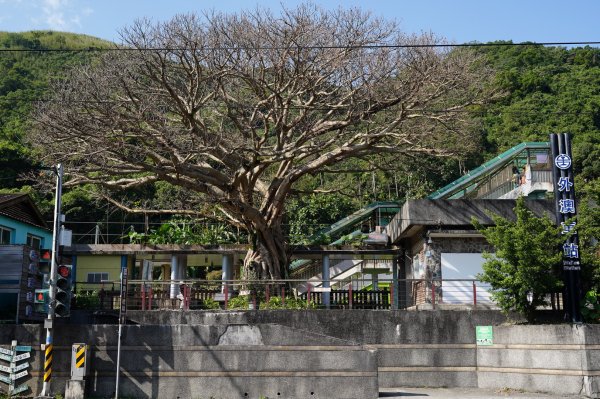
(237, 294)
(349, 299)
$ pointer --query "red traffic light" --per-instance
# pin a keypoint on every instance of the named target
(64, 271)
(40, 297)
(46, 254)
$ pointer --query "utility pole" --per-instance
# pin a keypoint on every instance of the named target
(49, 322)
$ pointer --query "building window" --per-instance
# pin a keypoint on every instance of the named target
(5, 235)
(97, 277)
(34, 242)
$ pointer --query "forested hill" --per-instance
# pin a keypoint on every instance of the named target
(548, 90)
(545, 90)
(24, 78)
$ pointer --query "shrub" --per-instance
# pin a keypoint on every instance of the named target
(210, 303)
(238, 302)
(275, 302)
(590, 308)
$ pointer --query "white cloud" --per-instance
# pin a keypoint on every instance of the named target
(54, 13)
(77, 21)
(64, 15)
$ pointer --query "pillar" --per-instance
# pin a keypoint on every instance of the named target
(226, 270)
(326, 281)
(395, 283)
(174, 277)
(375, 281)
(182, 267)
(404, 285)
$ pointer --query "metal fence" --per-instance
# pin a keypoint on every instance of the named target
(289, 294)
(295, 294)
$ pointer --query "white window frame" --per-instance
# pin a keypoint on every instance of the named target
(2, 230)
(30, 238)
(102, 276)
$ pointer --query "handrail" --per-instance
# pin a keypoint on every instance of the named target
(471, 177)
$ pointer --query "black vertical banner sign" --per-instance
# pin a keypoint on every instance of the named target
(566, 211)
(123, 310)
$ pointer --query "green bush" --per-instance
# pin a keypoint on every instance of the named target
(525, 266)
(210, 303)
(238, 302)
(87, 299)
(590, 308)
(275, 302)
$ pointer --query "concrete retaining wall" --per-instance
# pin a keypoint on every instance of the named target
(334, 354)
(437, 348)
(561, 359)
(414, 349)
(221, 361)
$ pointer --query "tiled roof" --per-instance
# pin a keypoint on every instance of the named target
(20, 207)
(9, 197)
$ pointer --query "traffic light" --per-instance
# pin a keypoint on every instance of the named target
(41, 300)
(63, 291)
(45, 255)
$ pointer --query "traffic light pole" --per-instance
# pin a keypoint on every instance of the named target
(49, 324)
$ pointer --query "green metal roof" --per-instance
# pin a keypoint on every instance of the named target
(467, 183)
(350, 220)
(358, 216)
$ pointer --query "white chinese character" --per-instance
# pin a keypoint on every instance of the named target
(571, 250)
(568, 227)
(567, 206)
(564, 184)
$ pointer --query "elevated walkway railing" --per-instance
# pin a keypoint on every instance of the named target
(468, 182)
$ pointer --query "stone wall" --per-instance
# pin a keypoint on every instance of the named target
(296, 353)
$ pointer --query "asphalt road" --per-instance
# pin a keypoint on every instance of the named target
(473, 393)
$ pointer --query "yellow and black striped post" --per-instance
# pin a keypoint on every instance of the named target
(79, 354)
(48, 363)
(80, 357)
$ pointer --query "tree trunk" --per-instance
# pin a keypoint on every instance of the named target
(267, 260)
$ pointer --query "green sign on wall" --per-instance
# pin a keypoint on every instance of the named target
(484, 335)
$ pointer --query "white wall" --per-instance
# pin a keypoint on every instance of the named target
(462, 266)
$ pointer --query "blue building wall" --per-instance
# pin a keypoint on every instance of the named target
(20, 230)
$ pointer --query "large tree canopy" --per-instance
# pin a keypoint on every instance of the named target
(234, 109)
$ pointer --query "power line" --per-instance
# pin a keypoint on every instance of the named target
(309, 108)
(325, 47)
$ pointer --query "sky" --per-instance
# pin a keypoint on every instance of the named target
(459, 21)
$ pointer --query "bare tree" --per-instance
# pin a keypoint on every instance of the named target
(237, 108)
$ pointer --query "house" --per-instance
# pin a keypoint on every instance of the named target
(21, 223)
(23, 234)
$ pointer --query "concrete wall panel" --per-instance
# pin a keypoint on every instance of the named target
(424, 356)
(561, 359)
(551, 383)
(420, 378)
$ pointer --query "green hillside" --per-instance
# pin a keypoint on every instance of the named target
(24, 78)
(548, 90)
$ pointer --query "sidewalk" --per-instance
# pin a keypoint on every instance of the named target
(474, 393)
